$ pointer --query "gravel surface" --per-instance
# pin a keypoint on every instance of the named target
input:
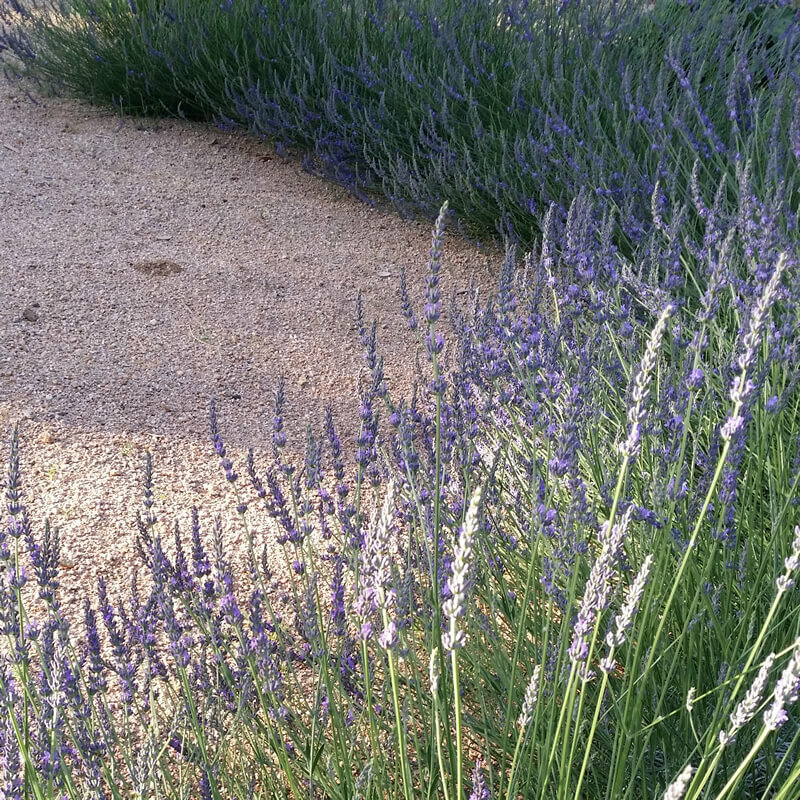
(146, 266)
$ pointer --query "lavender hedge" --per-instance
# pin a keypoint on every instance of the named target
(580, 580)
(502, 108)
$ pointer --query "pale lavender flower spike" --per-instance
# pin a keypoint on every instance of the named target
(531, 696)
(637, 414)
(792, 564)
(455, 606)
(786, 692)
(433, 668)
(747, 708)
(376, 560)
(742, 386)
(677, 789)
(597, 593)
(624, 620)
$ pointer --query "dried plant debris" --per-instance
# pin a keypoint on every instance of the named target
(159, 268)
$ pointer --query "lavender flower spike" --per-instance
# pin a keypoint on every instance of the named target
(747, 708)
(786, 692)
(455, 606)
(529, 702)
(479, 788)
(624, 620)
(433, 668)
(637, 413)
(597, 593)
(14, 485)
(792, 564)
(380, 555)
(433, 306)
(742, 386)
(376, 560)
(677, 789)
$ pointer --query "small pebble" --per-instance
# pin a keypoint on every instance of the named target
(30, 314)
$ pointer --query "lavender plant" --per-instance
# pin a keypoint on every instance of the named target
(577, 582)
(505, 108)
(580, 580)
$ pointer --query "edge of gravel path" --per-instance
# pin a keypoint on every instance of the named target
(148, 265)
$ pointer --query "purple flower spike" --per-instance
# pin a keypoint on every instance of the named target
(216, 439)
(219, 447)
(405, 302)
(696, 379)
(479, 788)
(278, 436)
(365, 632)
(337, 598)
(14, 486)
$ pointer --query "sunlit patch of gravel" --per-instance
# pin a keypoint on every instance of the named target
(147, 266)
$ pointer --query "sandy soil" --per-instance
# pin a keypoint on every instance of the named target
(146, 266)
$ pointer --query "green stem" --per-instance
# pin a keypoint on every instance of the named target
(439, 752)
(398, 721)
(459, 743)
(588, 745)
(569, 699)
(513, 774)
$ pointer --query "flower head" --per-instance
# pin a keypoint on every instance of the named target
(597, 593)
(637, 414)
(529, 702)
(786, 692)
(455, 606)
(479, 788)
(677, 789)
(747, 708)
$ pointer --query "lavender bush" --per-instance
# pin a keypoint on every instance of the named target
(504, 108)
(565, 565)
(577, 581)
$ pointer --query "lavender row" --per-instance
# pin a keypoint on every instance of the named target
(503, 108)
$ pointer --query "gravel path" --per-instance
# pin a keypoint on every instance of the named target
(147, 266)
